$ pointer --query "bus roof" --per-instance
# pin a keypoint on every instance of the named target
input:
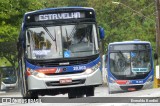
(60, 13)
(130, 42)
(60, 9)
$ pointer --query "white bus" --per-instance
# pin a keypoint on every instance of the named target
(59, 52)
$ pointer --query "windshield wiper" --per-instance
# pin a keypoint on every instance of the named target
(67, 38)
(121, 53)
(54, 39)
(46, 29)
(72, 32)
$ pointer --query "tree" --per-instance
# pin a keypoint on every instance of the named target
(9, 52)
(11, 14)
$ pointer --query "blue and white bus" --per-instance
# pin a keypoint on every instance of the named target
(59, 52)
(129, 66)
(9, 78)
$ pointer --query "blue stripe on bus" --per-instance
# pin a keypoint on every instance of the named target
(137, 81)
(68, 68)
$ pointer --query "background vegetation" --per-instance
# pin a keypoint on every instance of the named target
(131, 19)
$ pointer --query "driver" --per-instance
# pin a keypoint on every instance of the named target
(80, 36)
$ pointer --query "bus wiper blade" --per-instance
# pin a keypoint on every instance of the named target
(45, 28)
(121, 53)
(54, 39)
(67, 38)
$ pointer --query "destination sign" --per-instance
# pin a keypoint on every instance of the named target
(139, 69)
(130, 47)
(71, 15)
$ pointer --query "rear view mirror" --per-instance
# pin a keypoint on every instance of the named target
(155, 56)
(101, 32)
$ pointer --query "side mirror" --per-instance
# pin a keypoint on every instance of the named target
(101, 32)
(155, 56)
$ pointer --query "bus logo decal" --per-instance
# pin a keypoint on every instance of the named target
(58, 70)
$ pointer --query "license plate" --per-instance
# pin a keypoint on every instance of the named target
(131, 89)
(65, 81)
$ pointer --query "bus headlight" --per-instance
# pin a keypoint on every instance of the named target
(92, 69)
(88, 71)
(35, 73)
(38, 74)
(150, 79)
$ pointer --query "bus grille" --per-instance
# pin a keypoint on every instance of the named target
(63, 62)
(71, 62)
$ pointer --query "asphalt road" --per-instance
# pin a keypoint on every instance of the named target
(102, 98)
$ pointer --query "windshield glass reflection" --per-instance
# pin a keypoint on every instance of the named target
(61, 41)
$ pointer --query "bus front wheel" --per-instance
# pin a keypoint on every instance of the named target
(33, 95)
(75, 93)
(90, 91)
(71, 94)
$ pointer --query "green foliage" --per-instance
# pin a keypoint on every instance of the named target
(130, 19)
(9, 52)
(4, 62)
(11, 14)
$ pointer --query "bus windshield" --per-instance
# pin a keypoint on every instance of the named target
(131, 64)
(66, 41)
(9, 75)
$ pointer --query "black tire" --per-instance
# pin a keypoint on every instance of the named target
(30, 95)
(80, 96)
(33, 95)
(90, 91)
(76, 93)
(71, 94)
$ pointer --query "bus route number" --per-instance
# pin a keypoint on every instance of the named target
(139, 82)
(79, 68)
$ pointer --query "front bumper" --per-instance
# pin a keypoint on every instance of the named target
(114, 87)
(52, 82)
(7, 86)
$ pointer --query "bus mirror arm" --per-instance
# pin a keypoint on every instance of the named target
(155, 56)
